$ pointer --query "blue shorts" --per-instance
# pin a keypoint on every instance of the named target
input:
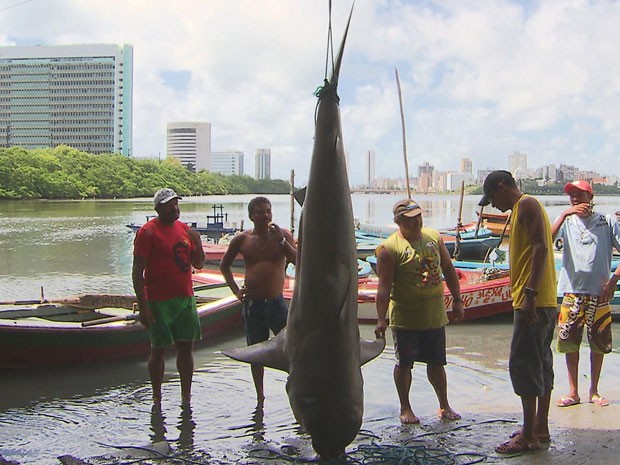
(531, 359)
(427, 346)
(261, 315)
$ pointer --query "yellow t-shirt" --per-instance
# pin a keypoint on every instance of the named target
(520, 250)
(416, 298)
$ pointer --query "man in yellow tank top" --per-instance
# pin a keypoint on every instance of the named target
(533, 288)
(410, 264)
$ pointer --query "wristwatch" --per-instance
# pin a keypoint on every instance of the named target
(530, 292)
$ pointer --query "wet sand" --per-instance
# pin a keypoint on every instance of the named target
(94, 408)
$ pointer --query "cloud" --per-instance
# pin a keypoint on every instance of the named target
(479, 79)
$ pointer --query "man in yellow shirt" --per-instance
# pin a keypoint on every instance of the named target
(533, 289)
(410, 264)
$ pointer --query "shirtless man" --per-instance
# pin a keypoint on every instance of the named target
(265, 250)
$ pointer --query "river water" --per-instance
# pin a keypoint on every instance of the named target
(77, 247)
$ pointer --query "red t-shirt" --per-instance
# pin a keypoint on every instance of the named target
(168, 250)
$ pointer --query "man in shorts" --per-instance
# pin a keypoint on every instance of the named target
(586, 284)
(410, 264)
(265, 250)
(165, 250)
(532, 285)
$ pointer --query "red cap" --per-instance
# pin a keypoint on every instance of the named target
(581, 185)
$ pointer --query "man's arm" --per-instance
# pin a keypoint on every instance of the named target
(290, 251)
(233, 249)
(137, 277)
(579, 209)
(452, 281)
(532, 219)
(610, 286)
(198, 253)
(385, 271)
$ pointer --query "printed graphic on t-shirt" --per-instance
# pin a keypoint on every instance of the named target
(181, 256)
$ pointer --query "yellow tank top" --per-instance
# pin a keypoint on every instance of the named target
(520, 251)
(416, 298)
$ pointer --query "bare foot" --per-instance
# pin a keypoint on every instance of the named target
(407, 417)
(448, 414)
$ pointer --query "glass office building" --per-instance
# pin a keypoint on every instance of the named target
(76, 95)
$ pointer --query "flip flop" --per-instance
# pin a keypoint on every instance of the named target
(543, 438)
(599, 400)
(567, 401)
(517, 445)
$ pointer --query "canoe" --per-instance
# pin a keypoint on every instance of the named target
(80, 331)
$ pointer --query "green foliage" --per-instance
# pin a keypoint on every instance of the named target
(66, 173)
(530, 186)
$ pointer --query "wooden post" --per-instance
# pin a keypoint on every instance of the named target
(292, 182)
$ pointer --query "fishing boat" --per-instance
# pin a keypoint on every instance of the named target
(214, 229)
(363, 269)
(95, 328)
(484, 292)
(496, 222)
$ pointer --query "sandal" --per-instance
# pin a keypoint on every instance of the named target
(543, 438)
(567, 401)
(599, 400)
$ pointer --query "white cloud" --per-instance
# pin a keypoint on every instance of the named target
(480, 79)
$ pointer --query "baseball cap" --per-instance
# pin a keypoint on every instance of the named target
(407, 208)
(581, 185)
(164, 195)
(494, 179)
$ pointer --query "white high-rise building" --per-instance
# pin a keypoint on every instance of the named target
(370, 168)
(263, 164)
(227, 162)
(190, 143)
(76, 95)
(517, 164)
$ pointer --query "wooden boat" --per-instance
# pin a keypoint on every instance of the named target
(95, 329)
(484, 293)
(494, 222)
(214, 229)
(363, 269)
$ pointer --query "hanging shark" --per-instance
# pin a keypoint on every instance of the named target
(320, 347)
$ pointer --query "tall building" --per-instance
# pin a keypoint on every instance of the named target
(263, 164)
(370, 168)
(76, 95)
(466, 165)
(425, 177)
(227, 162)
(190, 143)
(517, 164)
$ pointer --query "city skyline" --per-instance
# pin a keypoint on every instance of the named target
(479, 80)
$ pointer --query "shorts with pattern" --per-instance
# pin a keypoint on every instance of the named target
(577, 311)
(531, 359)
(261, 315)
(176, 320)
(427, 346)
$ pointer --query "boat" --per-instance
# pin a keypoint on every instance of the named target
(214, 229)
(363, 269)
(95, 328)
(484, 293)
(496, 222)
(215, 252)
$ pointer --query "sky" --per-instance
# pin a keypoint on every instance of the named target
(480, 78)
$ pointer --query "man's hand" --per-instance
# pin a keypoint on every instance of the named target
(458, 310)
(529, 309)
(146, 316)
(380, 328)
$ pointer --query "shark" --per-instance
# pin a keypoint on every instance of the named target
(320, 347)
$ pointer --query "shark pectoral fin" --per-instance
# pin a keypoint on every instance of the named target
(268, 353)
(370, 349)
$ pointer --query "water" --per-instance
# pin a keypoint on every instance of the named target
(77, 247)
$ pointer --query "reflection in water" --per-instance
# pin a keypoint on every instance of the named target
(158, 424)
(186, 426)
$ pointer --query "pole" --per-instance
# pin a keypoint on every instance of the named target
(402, 120)
(292, 182)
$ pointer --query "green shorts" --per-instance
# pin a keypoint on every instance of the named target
(175, 320)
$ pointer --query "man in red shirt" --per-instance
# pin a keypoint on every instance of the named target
(165, 250)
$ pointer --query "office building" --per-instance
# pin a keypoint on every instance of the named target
(517, 164)
(466, 165)
(76, 95)
(190, 143)
(263, 164)
(370, 168)
(426, 174)
(227, 162)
